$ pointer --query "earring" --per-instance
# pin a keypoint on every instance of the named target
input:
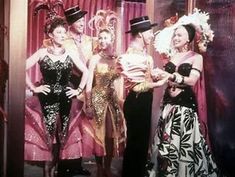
(186, 47)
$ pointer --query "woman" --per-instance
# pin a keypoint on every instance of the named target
(46, 137)
(182, 148)
(103, 104)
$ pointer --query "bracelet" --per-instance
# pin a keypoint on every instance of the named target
(179, 79)
(182, 82)
(31, 89)
(79, 89)
(174, 77)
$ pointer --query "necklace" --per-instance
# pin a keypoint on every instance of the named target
(56, 52)
(105, 56)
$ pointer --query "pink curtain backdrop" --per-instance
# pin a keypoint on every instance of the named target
(131, 10)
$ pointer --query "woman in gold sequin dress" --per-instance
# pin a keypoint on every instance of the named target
(103, 104)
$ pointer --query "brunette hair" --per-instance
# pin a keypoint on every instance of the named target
(53, 23)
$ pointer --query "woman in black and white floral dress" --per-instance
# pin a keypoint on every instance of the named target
(182, 149)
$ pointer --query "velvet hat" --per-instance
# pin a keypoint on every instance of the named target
(140, 24)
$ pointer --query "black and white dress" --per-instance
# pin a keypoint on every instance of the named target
(182, 149)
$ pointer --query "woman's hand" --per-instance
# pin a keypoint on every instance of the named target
(72, 92)
(45, 89)
(159, 74)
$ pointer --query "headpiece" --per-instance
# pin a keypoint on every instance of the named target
(140, 24)
(73, 14)
(198, 20)
(191, 31)
(51, 6)
(103, 19)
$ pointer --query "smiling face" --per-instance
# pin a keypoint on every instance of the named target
(147, 36)
(79, 25)
(105, 40)
(58, 35)
(180, 38)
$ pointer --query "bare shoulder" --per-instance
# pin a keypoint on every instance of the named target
(197, 56)
(41, 52)
(197, 61)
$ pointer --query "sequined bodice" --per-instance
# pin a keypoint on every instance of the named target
(183, 69)
(104, 94)
(56, 75)
(56, 72)
(105, 78)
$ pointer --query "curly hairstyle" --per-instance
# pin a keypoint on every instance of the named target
(53, 23)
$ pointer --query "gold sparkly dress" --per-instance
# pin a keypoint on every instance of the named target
(108, 117)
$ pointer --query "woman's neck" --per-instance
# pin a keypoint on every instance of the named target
(56, 49)
(107, 52)
(183, 49)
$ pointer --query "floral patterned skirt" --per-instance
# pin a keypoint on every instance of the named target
(182, 149)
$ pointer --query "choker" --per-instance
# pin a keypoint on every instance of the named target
(60, 52)
(105, 56)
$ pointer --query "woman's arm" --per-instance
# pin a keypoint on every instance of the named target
(92, 65)
(194, 75)
(33, 59)
(81, 66)
(30, 62)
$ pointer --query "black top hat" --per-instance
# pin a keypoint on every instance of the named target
(140, 24)
(73, 14)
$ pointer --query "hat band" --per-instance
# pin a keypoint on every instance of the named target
(137, 23)
(74, 13)
(75, 7)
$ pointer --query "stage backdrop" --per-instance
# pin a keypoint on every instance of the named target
(219, 67)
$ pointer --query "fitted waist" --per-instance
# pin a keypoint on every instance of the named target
(185, 97)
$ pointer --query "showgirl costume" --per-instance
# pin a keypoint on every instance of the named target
(182, 147)
(108, 116)
(54, 118)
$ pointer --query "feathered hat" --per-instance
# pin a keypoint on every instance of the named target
(198, 20)
(51, 7)
(103, 19)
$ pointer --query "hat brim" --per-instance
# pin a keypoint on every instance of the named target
(77, 17)
(152, 25)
